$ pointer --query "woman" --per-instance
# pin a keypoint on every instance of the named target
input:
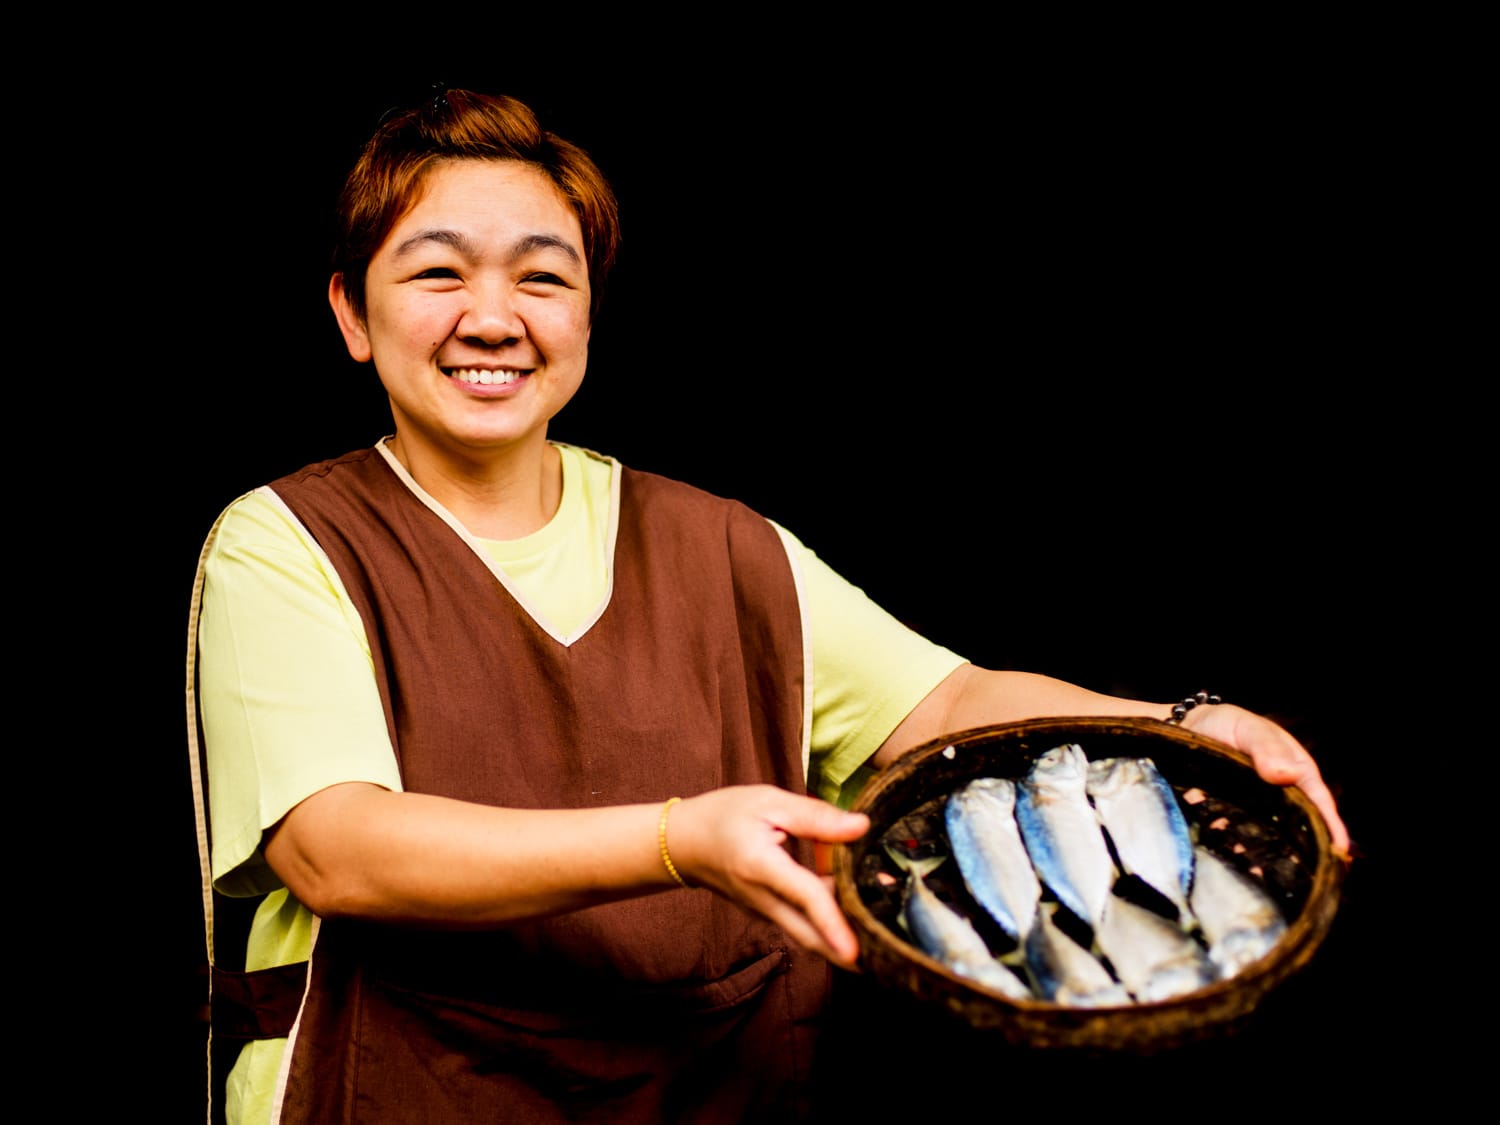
(523, 755)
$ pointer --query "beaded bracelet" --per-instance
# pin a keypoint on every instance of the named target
(1180, 710)
(661, 840)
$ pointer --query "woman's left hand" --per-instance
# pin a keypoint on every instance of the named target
(1278, 757)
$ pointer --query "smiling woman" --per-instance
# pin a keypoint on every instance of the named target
(449, 688)
(476, 317)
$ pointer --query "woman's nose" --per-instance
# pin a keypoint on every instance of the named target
(491, 316)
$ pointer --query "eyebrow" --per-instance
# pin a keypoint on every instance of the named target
(545, 242)
(464, 245)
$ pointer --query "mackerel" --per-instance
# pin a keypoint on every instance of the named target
(1153, 957)
(1140, 812)
(1064, 972)
(947, 936)
(981, 821)
(1062, 832)
(1239, 919)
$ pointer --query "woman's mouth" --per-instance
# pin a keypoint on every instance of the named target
(483, 376)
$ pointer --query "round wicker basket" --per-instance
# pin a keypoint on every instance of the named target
(1231, 810)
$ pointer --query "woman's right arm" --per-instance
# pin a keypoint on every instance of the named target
(361, 850)
(310, 796)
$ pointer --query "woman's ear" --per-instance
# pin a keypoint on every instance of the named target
(356, 339)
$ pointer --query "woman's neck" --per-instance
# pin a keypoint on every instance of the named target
(505, 496)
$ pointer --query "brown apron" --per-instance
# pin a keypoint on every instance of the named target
(671, 1007)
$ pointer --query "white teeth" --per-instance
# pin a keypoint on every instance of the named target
(486, 378)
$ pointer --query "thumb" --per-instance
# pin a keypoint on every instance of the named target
(818, 820)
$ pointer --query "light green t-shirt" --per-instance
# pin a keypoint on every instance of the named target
(290, 705)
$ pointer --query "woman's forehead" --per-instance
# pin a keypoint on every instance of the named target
(486, 192)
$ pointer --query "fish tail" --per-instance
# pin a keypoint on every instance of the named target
(911, 864)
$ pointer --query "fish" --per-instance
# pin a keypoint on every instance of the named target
(1064, 972)
(947, 936)
(1240, 921)
(1153, 957)
(1062, 832)
(986, 840)
(1140, 812)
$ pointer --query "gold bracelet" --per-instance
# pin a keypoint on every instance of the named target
(661, 839)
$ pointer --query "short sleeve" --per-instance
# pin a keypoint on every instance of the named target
(870, 671)
(286, 686)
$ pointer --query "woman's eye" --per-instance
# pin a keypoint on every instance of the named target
(544, 278)
(437, 271)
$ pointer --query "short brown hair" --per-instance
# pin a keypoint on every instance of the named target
(386, 181)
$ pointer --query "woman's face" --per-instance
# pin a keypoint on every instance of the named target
(476, 311)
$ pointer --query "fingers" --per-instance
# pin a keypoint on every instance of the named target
(731, 840)
(1279, 759)
(803, 905)
(799, 900)
(1322, 798)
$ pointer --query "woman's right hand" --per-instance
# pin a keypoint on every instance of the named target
(731, 841)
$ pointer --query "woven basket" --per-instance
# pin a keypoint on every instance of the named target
(1233, 812)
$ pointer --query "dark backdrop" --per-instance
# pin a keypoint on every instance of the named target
(1056, 362)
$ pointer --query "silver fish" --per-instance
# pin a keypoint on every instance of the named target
(1064, 972)
(947, 936)
(1154, 958)
(1239, 919)
(981, 820)
(1062, 832)
(1140, 812)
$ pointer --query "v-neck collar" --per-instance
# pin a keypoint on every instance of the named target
(567, 509)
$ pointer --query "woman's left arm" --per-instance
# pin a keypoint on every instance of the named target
(975, 697)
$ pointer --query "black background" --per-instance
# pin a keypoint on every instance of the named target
(1059, 353)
